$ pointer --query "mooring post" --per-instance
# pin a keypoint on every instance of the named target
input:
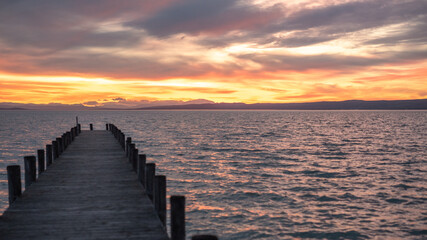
(142, 159)
(68, 138)
(135, 159)
(30, 170)
(73, 133)
(91, 126)
(79, 129)
(106, 126)
(131, 149)
(59, 142)
(204, 237)
(123, 141)
(55, 149)
(40, 158)
(128, 142)
(160, 197)
(64, 143)
(48, 155)
(14, 182)
(177, 217)
(150, 172)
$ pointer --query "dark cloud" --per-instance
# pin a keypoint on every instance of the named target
(276, 62)
(57, 25)
(207, 16)
(91, 103)
(415, 32)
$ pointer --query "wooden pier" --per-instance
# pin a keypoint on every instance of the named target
(90, 191)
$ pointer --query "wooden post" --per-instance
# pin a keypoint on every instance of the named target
(91, 126)
(70, 140)
(150, 172)
(135, 159)
(14, 182)
(123, 141)
(79, 129)
(131, 149)
(160, 197)
(30, 170)
(77, 120)
(177, 217)
(40, 158)
(73, 133)
(106, 126)
(64, 143)
(55, 149)
(59, 143)
(204, 237)
(141, 168)
(48, 155)
(128, 142)
(67, 139)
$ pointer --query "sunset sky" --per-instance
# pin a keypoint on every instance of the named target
(127, 53)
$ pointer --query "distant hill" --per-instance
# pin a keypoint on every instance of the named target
(13, 108)
(343, 105)
(200, 105)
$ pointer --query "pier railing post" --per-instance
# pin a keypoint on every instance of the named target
(177, 217)
(48, 155)
(40, 158)
(142, 159)
(131, 149)
(123, 141)
(30, 170)
(128, 142)
(73, 133)
(68, 138)
(14, 182)
(160, 197)
(150, 172)
(135, 159)
(59, 143)
(64, 143)
(55, 149)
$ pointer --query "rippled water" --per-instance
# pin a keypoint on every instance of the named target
(267, 174)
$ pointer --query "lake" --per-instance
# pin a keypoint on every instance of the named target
(266, 174)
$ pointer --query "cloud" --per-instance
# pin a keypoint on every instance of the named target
(279, 62)
(207, 17)
(91, 103)
(308, 26)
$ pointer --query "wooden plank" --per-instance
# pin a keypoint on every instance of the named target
(89, 192)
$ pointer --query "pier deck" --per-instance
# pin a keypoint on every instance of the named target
(89, 192)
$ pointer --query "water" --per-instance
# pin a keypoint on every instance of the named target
(267, 174)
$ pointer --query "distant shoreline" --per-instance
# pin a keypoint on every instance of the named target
(419, 104)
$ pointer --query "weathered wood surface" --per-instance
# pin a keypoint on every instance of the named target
(89, 192)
